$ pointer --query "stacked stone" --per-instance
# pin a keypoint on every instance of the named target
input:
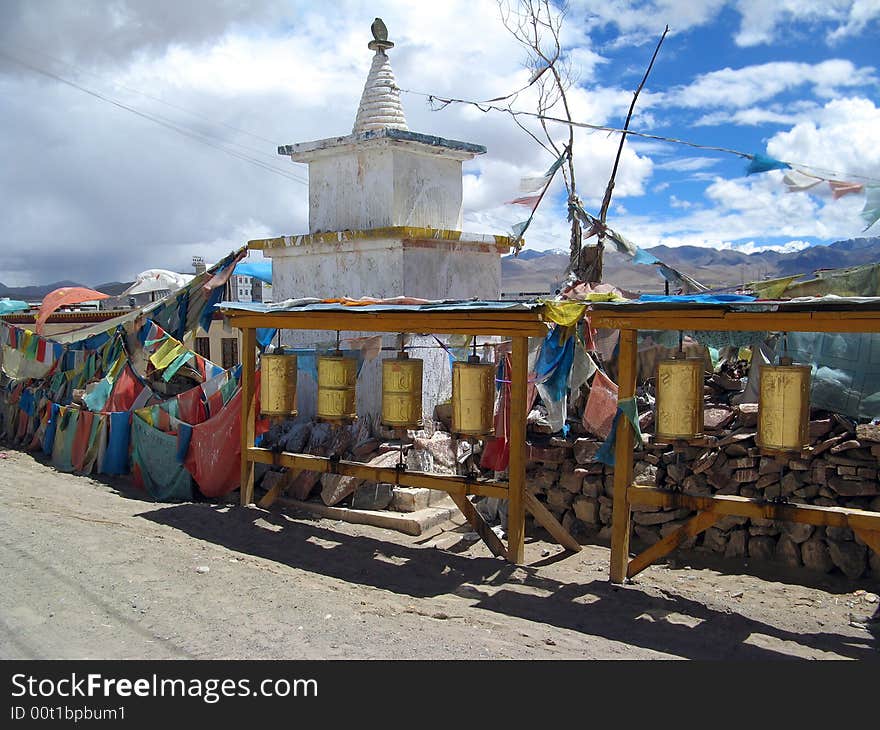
(839, 469)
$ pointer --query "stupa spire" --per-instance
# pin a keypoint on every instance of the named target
(380, 106)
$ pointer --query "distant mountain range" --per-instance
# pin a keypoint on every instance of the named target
(542, 271)
(37, 292)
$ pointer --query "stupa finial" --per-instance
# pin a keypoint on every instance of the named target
(380, 106)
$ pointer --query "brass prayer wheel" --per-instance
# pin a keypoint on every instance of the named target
(402, 392)
(784, 406)
(679, 407)
(337, 397)
(473, 397)
(278, 385)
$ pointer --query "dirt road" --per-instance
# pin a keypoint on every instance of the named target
(94, 570)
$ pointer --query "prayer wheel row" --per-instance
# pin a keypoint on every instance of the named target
(783, 403)
(473, 391)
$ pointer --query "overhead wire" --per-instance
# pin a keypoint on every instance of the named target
(157, 99)
(204, 138)
(487, 107)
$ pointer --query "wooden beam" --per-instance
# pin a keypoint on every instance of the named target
(871, 538)
(720, 320)
(694, 526)
(502, 323)
(745, 507)
(545, 518)
(248, 414)
(493, 542)
(621, 524)
(516, 514)
(405, 478)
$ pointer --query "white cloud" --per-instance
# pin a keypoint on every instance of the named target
(763, 22)
(687, 164)
(675, 202)
(95, 193)
(642, 21)
(750, 247)
(743, 87)
(861, 13)
(756, 116)
(844, 137)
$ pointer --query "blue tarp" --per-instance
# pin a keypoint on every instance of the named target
(698, 298)
(261, 270)
(8, 306)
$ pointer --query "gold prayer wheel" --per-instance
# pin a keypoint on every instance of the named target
(337, 397)
(784, 406)
(473, 397)
(402, 392)
(278, 385)
(679, 406)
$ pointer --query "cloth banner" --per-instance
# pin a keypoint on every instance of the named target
(155, 465)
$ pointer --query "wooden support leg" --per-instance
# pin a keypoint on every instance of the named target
(279, 489)
(248, 415)
(621, 524)
(694, 526)
(479, 524)
(516, 514)
(546, 519)
(871, 538)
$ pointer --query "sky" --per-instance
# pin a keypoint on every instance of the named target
(136, 134)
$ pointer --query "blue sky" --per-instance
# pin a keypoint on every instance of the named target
(797, 82)
(95, 192)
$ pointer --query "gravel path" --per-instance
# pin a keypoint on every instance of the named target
(92, 569)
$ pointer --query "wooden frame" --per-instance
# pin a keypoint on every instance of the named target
(517, 325)
(629, 320)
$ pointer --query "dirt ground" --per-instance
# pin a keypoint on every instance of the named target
(92, 569)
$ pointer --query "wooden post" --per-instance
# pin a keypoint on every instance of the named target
(623, 459)
(516, 513)
(248, 416)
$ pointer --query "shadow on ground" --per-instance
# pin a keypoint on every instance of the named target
(626, 614)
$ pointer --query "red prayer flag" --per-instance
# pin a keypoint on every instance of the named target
(839, 189)
(65, 295)
(125, 390)
(524, 200)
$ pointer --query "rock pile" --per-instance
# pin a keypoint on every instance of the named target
(431, 450)
(839, 468)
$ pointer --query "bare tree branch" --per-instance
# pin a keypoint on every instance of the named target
(537, 26)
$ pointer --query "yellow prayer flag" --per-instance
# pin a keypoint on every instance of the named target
(166, 354)
(565, 314)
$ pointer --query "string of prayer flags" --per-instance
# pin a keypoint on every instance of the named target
(840, 188)
(763, 163)
(533, 185)
(525, 200)
(799, 182)
(643, 257)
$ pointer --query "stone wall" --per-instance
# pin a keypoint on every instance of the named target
(840, 468)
